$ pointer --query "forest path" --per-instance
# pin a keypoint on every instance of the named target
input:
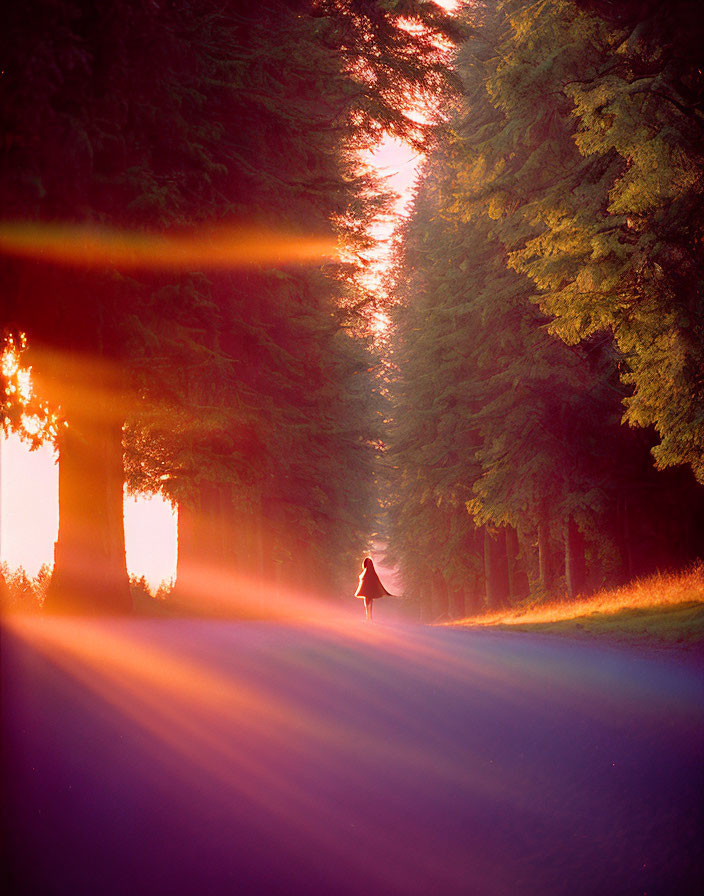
(209, 757)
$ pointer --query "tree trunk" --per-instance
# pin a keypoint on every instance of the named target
(489, 571)
(457, 603)
(575, 566)
(474, 586)
(439, 595)
(217, 551)
(189, 561)
(495, 569)
(511, 559)
(90, 569)
(473, 598)
(626, 545)
(544, 564)
(426, 607)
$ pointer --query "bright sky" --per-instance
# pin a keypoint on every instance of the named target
(398, 165)
(29, 512)
(29, 517)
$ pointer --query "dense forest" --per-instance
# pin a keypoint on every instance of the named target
(243, 389)
(545, 377)
(184, 235)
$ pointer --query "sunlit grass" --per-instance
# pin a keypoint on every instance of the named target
(665, 606)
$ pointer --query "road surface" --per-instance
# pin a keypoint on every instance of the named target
(244, 758)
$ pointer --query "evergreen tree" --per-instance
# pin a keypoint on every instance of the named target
(170, 117)
(617, 242)
(489, 405)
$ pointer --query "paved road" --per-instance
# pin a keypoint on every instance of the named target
(187, 758)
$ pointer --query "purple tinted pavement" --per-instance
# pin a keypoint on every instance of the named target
(185, 758)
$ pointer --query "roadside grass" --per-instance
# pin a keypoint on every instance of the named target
(159, 603)
(22, 593)
(666, 609)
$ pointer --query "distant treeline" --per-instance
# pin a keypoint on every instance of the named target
(547, 373)
(244, 392)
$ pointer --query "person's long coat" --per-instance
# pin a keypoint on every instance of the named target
(370, 584)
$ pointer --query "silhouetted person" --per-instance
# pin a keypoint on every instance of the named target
(370, 587)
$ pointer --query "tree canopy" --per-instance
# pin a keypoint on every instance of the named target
(167, 122)
(537, 310)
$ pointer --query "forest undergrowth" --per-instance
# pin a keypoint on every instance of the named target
(23, 593)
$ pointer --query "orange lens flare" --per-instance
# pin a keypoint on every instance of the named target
(219, 248)
(79, 384)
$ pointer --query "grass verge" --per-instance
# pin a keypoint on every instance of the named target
(664, 610)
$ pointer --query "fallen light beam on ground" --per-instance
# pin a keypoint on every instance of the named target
(207, 756)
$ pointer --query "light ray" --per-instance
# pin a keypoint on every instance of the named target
(278, 744)
(223, 247)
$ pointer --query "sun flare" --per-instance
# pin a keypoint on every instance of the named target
(220, 248)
